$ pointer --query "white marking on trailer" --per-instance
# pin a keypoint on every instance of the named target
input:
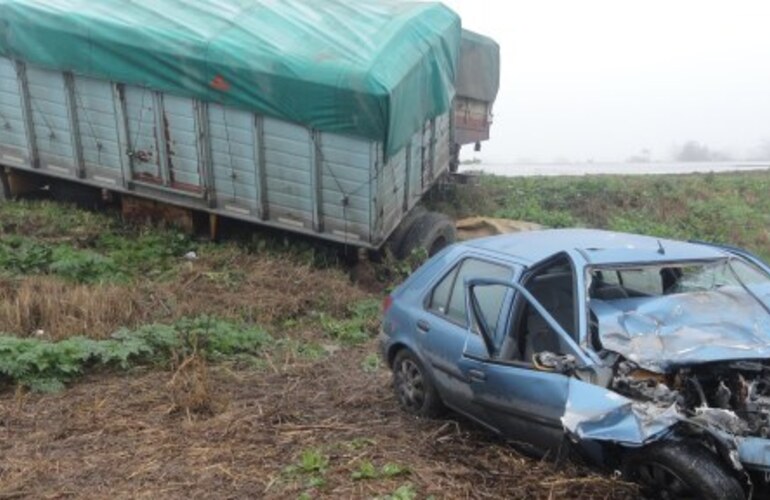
(104, 180)
(291, 222)
(347, 236)
(14, 159)
(57, 168)
(238, 210)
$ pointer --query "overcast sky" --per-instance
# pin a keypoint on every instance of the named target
(603, 79)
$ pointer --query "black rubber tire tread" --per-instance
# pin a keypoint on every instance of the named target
(432, 406)
(426, 230)
(396, 239)
(694, 464)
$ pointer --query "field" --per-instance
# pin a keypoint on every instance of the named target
(138, 362)
(723, 208)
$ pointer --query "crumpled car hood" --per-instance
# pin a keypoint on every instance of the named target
(661, 333)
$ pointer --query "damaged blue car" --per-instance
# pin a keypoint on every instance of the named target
(647, 356)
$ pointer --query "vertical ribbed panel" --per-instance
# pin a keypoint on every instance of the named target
(345, 180)
(97, 124)
(50, 116)
(181, 132)
(14, 148)
(234, 156)
(140, 115)
(289, 163)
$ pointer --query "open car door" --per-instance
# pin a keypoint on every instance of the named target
(524, 400)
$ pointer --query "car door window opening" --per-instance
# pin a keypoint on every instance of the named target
(553, 285)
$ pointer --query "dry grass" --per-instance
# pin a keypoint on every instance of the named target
(259, 289)
(59, 309)
(118, 437)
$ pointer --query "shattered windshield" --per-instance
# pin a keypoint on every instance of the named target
(679, 313)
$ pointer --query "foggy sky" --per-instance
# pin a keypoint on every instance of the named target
(603, 79)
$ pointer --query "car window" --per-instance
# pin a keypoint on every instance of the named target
(643, 281)
(448, 297)
(439, 299)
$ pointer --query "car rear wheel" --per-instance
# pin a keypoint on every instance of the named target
(681, 470)
(415, 391)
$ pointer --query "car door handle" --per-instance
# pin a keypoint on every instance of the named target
(477, 375)
(423, 326)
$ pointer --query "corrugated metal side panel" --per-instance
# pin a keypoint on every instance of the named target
(14, 148)
(50, 116)
(181, 132)
(98, 128)
(289, 163)
(415, 171)
(427, 154)
(140, 116)
(442, 153)
(393, 179)
(430, 159)
(345, 185)
(234, 156)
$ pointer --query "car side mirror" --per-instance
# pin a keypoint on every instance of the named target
(559, 363)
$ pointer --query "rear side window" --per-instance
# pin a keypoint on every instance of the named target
(448, 297)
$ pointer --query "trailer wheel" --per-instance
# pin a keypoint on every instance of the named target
(431, 231)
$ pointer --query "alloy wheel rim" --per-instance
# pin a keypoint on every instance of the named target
(410, 385)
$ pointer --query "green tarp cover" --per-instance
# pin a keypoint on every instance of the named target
(478, 74)
(371, 68)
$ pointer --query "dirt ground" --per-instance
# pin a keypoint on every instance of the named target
(296, 426)
(117, 436)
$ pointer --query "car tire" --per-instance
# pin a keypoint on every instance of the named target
(431, 231)
(681, 469)
(414, 388)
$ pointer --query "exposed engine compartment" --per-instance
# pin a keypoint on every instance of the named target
(733, 397)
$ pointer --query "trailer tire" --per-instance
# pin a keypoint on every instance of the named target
(431, 231)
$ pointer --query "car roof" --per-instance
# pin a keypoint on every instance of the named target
(597, 246)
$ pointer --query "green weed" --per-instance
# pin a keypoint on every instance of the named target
(358, 327)
(723, 208)
(372, 363)
(367, 470)
(47, 366)
(406, 491)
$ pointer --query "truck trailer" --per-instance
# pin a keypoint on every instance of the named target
(313, 116)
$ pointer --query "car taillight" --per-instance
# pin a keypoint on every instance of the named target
(386, 303)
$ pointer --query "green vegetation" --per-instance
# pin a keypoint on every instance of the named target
(404, 492)
(724, 208)
(47, 366)
(83, 247)
(358, 327)
(367, 470)
(372, 363)
(311, 468)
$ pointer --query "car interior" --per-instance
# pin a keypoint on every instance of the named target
(554, 287)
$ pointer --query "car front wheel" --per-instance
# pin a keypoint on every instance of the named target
(415, 391)
(677, 470)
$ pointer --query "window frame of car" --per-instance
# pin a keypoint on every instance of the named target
(455, 267)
